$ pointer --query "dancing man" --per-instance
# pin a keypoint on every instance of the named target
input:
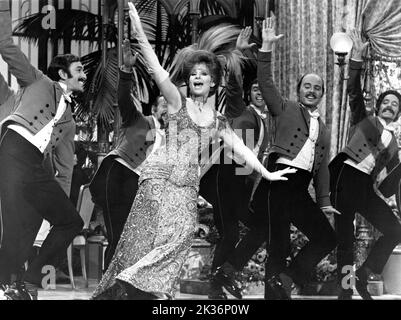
(371, 148)
(301, 142)
(115, 183)
(41, 123)
(235, 187)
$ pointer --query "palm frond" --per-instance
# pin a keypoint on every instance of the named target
(100, 95)
(211, 7)
(70, 24)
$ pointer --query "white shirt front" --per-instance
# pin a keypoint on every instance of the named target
(306, 157)
(42, 138)
(367, 165)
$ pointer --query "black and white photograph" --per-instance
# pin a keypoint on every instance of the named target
(220, 153)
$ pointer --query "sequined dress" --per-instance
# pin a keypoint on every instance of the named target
(160, 227)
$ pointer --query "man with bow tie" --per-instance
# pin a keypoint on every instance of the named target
(115, 183)
(301, 141)
(40, 124)
(371, 148)
(235, 184)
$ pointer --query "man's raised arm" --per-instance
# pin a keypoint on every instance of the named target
(270, 93)
(18, 63)
(354, 89)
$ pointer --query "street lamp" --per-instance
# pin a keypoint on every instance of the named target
(341, 44)
(194, 13)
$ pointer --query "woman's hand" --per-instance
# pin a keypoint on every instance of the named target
(278, 175)
(135, 21)
(330, 210)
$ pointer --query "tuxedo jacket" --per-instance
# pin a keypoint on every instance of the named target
(250, 121)
(137, 135)
(135, 138)
(365, 133)
(292, 129)
(36, 103)
(391, 185)
(5, 94)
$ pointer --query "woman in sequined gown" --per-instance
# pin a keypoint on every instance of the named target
(161, 225)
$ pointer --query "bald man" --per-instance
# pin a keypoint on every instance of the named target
(301, 142)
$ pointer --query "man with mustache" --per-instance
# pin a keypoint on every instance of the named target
(302, 142)
(371, 148)
(115, 183)
(40, 126)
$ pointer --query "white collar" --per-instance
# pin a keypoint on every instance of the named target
(67, 94)
(390, 127)
(157, 123)
(262, 115)
(314, 114)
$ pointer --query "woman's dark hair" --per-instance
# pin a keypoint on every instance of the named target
(381, 98)
(211, 62)
(303, 77)
(61, 62)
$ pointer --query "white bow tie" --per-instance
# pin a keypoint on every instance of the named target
(392, 127)
(314, 114)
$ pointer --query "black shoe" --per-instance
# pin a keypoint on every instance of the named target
(361, 283)
(224, 275)
(21, 291)
(345, 294)
(274, 289)
(216, 291)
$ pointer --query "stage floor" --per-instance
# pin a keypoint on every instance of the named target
(64, 292)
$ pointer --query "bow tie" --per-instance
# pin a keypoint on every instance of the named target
(314, 114)
(392, 127)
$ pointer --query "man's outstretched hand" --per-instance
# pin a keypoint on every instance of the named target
(269, 36)
(129, 58)
(243, 39)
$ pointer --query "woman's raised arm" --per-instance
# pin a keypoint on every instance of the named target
(161, 76)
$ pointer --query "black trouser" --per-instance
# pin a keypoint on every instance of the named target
(208, 190)
(290, 201)
(258, 225)
(29, 193)
(353, 192)
(114, 188)
(234, 192)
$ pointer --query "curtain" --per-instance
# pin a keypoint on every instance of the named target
(380, 21)
(308, 26)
